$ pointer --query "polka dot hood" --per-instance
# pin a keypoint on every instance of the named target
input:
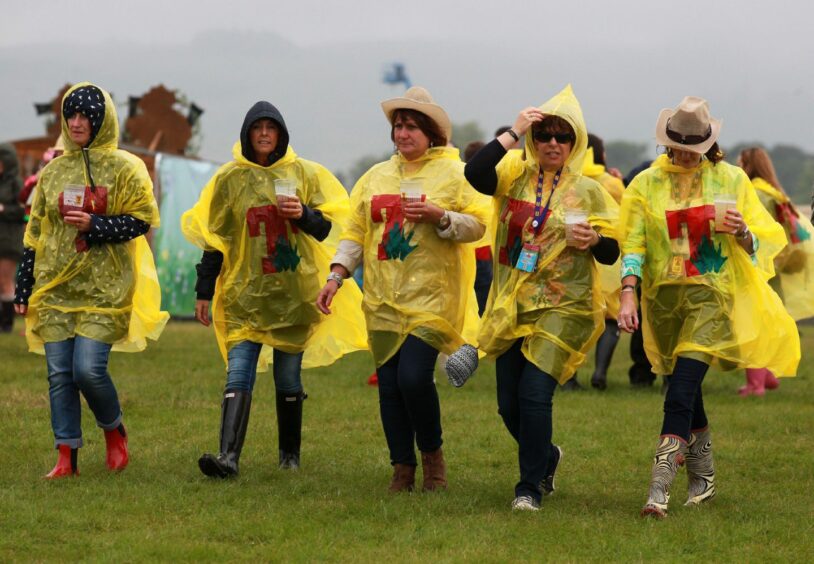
(95, 104)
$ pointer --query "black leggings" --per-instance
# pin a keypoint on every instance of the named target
(684, 403)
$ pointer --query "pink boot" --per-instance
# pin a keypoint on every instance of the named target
(755, 382)
(771, 382)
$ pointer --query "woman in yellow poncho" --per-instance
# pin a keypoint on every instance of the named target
(410, 216)
(794, 266)
(696, 236)
(87, 282)
(260, 220)
(546, 308)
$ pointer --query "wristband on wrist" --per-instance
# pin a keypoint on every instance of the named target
(513, 134)
(336, 277)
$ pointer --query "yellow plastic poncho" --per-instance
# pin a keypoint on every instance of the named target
(109, 292)
(415, 282)
(558, 309)
(272, 272)
(703, 297)
(795, 263)
(609, 273)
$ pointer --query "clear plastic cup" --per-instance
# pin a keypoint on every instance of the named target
(572, 217)
(285, 189)
(412, 190)
(723, 203)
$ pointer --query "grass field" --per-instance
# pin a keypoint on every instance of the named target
(336, 508)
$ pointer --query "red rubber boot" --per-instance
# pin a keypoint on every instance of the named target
(755, 386)
(771, 382)
(66, 464)
(117, 456)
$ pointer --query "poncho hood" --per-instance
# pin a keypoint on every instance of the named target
(263, 110)
(566, 106)
(107, 136)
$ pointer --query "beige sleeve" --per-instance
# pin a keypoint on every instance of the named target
(348, 254)
(463, 228)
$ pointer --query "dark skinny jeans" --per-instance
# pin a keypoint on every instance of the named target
(684, 403)
(524, 397)
(408, 401)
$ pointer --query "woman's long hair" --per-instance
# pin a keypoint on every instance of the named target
(757, 163)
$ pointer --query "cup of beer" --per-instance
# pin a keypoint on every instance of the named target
(723, 202)
(573, 217)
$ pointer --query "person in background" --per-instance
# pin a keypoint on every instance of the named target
(12, 226)
(794, 266)
(697, 239)
(411, 220)
(640, 374)
(594, 167)
(483, 253)
(260, 222)
(26, 196)
(87, 282)
(546, 308)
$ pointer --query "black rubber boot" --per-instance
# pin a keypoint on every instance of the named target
(604, 353)
(289, 428)
(234, 421)
(6, 316)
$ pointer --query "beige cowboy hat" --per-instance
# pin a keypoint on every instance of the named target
(418, 98)
(688, 126)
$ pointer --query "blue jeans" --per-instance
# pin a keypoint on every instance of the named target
(525, 397)
(241, 372)
(80, 365)
(408, 401)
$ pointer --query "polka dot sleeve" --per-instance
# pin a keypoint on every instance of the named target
(25, 278)
(114, 229)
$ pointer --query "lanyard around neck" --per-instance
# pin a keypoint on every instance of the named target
(541, 213)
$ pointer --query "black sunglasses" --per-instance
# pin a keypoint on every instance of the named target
(545, 137)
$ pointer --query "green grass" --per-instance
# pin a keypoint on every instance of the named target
(336, 508)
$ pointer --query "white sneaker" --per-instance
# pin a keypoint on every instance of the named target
(525, 503)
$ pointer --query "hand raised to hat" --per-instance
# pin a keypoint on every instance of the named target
(526, 118)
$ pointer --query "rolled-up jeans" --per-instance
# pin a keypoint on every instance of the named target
(241, 372)
(79, 365)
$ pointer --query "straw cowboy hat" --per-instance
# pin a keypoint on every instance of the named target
(688, 127)
(418, 98)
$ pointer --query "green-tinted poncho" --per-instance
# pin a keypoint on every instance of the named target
(702, 294)
(109, 292)
(558, 310)
(272, 272)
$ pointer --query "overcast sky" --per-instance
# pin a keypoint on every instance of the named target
(321, 62)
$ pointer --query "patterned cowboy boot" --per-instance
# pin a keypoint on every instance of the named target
(700, 469)
(669, 457)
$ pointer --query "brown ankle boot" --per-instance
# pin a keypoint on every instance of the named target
(434, 469)
(403, 478)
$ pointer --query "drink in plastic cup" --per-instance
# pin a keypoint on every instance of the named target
(285, 189)
(572, 217)
(722, 204)
(411, 191)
